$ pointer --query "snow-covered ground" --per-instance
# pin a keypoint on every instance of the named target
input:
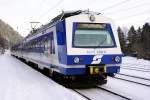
(137, 91)
(20, 82)
(129, 89)
(129, 62)
(134, 62)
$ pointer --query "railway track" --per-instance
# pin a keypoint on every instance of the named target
(133, 81)
(142, 68)
(139, 64)
(134, 76)
(86, 97)
(117, 94)
(121, 97)
(135, 69)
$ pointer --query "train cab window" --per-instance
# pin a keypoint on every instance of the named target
(92, 36)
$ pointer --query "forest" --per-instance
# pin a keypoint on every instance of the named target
(137, 42)
(8, 36)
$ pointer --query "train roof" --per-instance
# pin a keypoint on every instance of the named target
(66, 14)
(60, 17)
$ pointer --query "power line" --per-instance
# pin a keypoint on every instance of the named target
(133, 7)
(134, 15)
(49, 10)
(140, 21)
(115, 5)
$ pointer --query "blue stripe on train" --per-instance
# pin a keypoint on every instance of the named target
(64, 71)
(76, 71)
(87, 59)
(73, 71)
(113, 69)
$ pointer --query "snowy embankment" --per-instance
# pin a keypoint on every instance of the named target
(136, 67)
(128, 89)
(20, 82)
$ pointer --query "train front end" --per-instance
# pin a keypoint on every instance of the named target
(91, 47)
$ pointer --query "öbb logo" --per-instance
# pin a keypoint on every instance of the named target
(96, 59)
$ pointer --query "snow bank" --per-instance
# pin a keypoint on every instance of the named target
(134, 63)
(20, 82)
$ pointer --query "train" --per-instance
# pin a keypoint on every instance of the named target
(75, 45)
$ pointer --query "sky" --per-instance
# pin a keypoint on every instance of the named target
(19, 13)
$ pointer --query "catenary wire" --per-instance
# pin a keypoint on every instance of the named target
(130, 8)
(49, 10)
(115, 5)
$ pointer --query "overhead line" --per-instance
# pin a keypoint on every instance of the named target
(141, 14)
(138, 21)
(133, 7)
(115, 5)
(49, 10)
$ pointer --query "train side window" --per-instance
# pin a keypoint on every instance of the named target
(52, 44)
(47, 44)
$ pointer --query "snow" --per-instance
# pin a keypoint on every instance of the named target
(128, 89)
(134, 62)
(98, 94)
(20, 82)
(135, 73)
(138, 63)
(147, 82)
(131, 90)
(134, 91)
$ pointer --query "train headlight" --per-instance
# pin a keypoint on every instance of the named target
(76, 60)
(117, 59)
(92, 18)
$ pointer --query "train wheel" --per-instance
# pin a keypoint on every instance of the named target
(46, 71)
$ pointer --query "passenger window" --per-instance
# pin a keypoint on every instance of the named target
(52, 44)
(46, 44)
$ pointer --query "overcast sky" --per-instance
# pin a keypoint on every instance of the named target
(18, 13)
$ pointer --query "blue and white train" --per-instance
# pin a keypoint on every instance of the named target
(74, 44)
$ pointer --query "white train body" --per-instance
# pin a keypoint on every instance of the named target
(71, 44)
